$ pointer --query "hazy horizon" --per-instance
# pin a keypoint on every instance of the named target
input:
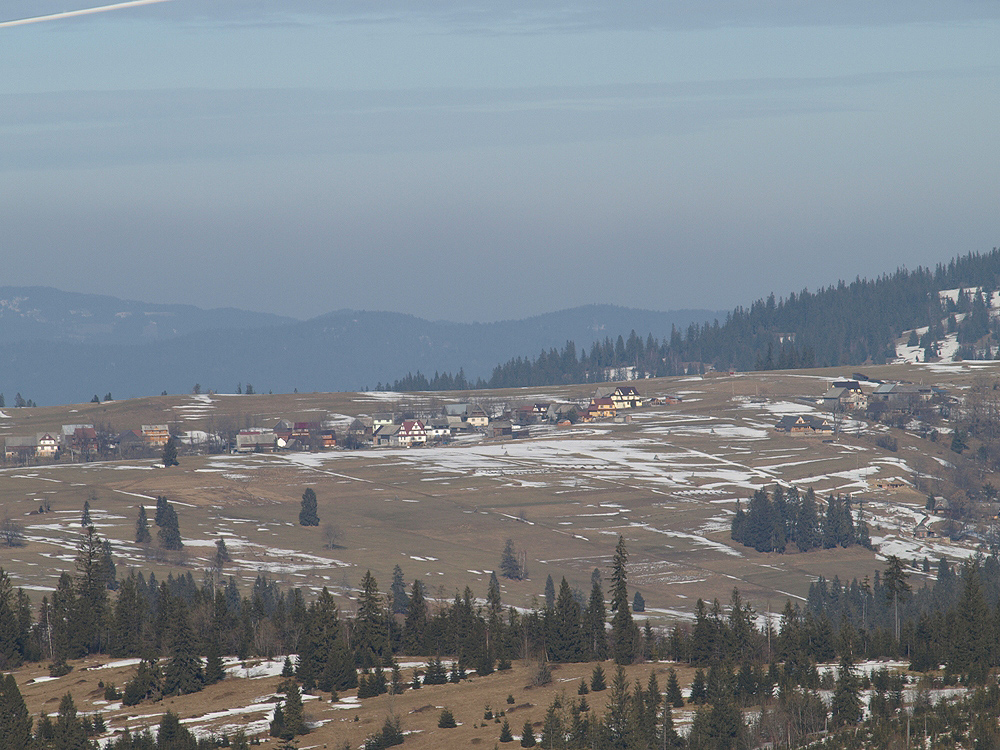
(459, 161)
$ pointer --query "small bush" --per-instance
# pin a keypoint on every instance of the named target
(446, 720)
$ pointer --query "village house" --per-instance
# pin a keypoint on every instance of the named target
(622, 396)
(602, 408)
(385, 434)
(256, 441)
(903, 393)
(46, 445)
(20, 449)
(477, 416)
(455, 413)
(410, 433)
(384, 419)
(502, 429)
(846, 395)
(559, 412)
(804, 424)
(155, 435)
(437, 429)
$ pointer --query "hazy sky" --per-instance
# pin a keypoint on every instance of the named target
(495, 159)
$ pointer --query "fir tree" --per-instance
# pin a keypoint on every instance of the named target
(550, 593)
(509, 566)
(170, 453)
(446, 720)
(15, 721)
(527, 734)
(169, 533)
(142, 535)
(699, 691)
(89, 619)
(69, 731)
(674, 696)
(309, 514)
(397, 592)
(597, 639)
(183, 673)
(896, 587)
(214, 668)
(624, 633)
(294, 719)
(566, 643)
(505, 733)
(221, 553)
(370, 641)
(85, 519)
(846, 707)
(597, 679)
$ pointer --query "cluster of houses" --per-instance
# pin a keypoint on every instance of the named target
(849, 396)
(393, 429)
(81, 440)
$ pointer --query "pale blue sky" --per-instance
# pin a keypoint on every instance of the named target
(457, 161)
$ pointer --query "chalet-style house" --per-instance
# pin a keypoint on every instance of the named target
(410, 433)
(437, 429)
(622, 396)
(155, 435)
(845, 394)
(46, 445)
(602, 408)
(477, 416)
(804, 424)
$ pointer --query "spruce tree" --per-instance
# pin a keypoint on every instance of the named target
(505, 733)
(85, 519)
(509, 566)
(69, 731)
(169, 533)
(846, 706)
(416, 621)
(674, 696)
(370, 641)
(624, 634)
(597, 639)
(550, 593)
(294, 718)
(170, 453)
(397, 592)
(215, 670)
(15, 721)
(567, 643)
(183, 673)
(597, 679)
(309, 513)
(527, 734)
(90, 618)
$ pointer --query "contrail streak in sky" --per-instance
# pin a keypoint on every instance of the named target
(81, 12)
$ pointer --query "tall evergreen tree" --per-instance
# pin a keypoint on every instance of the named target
(90, 617)
(85, 519)
(509, 565)
(15, 721)
(309, 513)
(896, 587)
(397, 592)
(168, 534)
(567, 641)
(370, 638)
(846, 707)
(416, 621)
(170, 453)
(624, 633)
(550, 592)
(183, 673)
(594, 618)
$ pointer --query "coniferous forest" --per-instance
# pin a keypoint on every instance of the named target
(852, 323)
(758, 682)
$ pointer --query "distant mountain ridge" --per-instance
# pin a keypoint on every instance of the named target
(40, 313)
(70, 356)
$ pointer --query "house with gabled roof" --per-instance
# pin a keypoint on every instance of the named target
(804, 424)
(47, 444)
(410, 433)
(622, 396)
(155, 435)
(602, 408)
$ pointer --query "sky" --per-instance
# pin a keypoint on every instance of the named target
(492, 159)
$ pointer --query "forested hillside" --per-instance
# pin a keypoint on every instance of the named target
(844, 324)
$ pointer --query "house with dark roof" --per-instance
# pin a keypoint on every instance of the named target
(804, 424)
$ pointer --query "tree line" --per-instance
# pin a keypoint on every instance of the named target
(842, 324)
